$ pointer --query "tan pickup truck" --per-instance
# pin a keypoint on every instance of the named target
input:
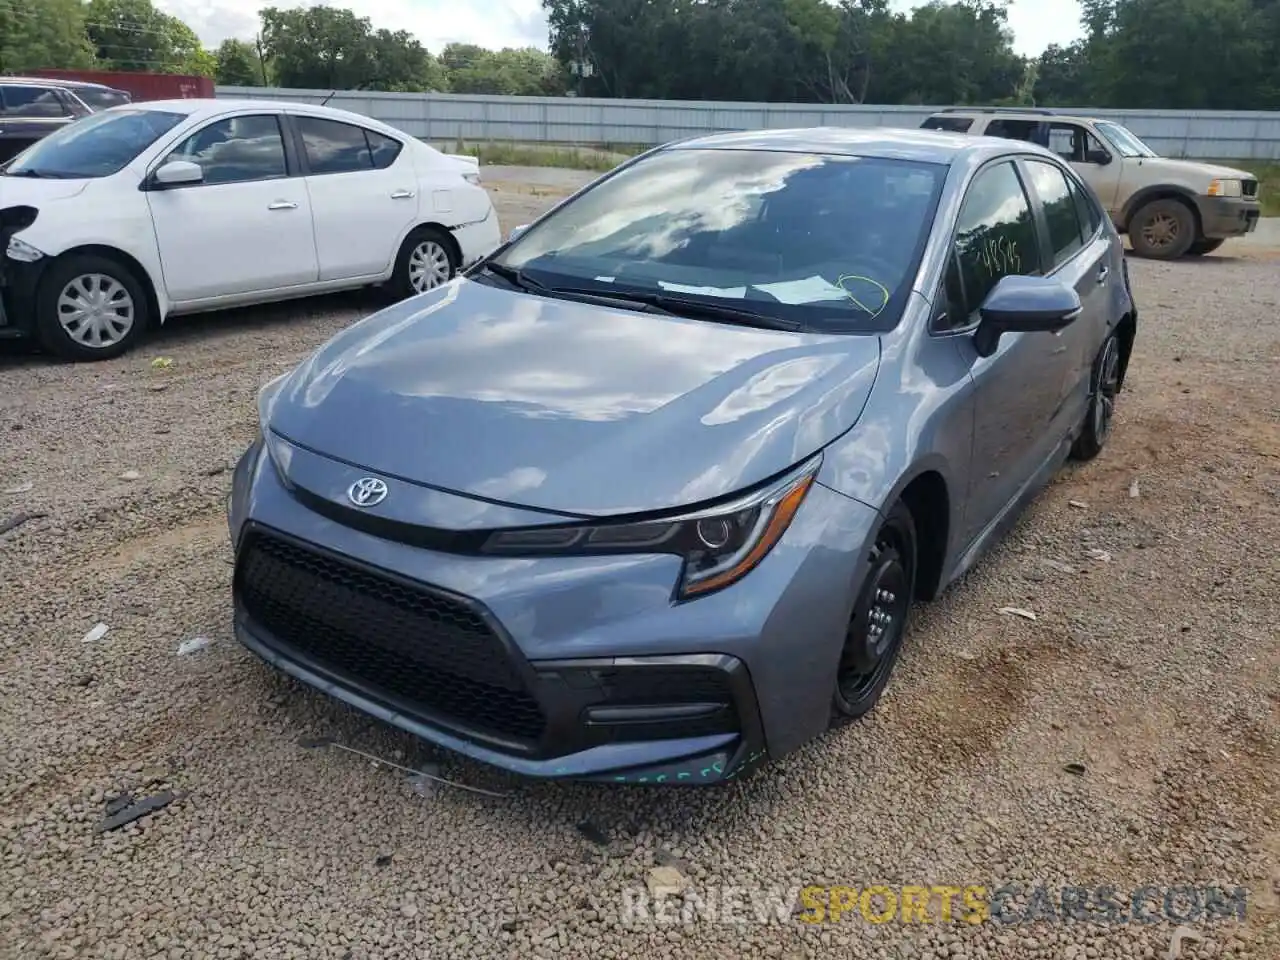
(1169, 208)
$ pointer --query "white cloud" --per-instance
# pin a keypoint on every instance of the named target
(520, 23)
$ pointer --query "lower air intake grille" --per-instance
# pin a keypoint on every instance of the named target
(417, 646)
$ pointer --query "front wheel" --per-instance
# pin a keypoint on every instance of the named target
(89, 307)
(1162, 230)
(426, 260)
(878, 623)
(1105, 380)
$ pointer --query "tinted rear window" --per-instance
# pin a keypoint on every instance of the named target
(100, 99)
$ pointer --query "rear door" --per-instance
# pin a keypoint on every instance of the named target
(364, 195)
(28, 113)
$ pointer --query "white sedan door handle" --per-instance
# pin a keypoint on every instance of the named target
(282, 205)
(402, 195)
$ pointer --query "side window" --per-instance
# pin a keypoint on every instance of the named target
(1013, 129)
(22, 101)
(1086, 207)
(384, 149)
(236, 149)
(995, 237)
(334, 147)
(1059, 209)
(954, 124)
(1067, 141)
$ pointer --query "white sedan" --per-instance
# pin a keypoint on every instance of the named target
(146, 211)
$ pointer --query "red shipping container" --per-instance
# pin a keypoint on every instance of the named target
(139, 86)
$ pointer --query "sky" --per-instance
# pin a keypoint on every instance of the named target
(521, 23)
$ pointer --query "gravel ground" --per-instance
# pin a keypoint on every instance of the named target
(1153, 665)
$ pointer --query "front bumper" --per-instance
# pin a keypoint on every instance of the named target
(19, 281)
(1228, 216)
(559, 668)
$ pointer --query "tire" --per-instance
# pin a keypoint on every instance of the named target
(428, 258)
(1162, 230)
(1201, 247)
(113, 310)
(1104, 384)
(883, 603)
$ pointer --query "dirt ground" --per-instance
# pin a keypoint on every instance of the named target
(1129, 735)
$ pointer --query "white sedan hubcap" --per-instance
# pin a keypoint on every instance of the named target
(428, 266)
(96, 310)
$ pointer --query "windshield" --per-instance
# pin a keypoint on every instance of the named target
(1126, 144)
(830, 243)
(94, 146)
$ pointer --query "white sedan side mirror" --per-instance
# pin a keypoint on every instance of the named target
(177, 172)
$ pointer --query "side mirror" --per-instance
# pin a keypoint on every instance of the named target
(1020, 304)
(1100, 157)
(177, 173)
(516, 231)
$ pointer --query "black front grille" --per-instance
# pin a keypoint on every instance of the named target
(427, 651)
(1250, 188)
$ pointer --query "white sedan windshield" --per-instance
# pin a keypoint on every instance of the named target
(94, 146)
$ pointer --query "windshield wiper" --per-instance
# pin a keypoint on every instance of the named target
(33, 174)
(685, 307)
(512, 275)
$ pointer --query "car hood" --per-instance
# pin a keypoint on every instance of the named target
(570, 407)
(30, 191)
(1195, 170)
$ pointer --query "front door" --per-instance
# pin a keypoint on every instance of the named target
(364, 196)
(247, 227)
(1017, 390)
(1097, 166)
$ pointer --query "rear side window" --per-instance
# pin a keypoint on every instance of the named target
(101, 99)
(1030, 130)
(1059, 209)
(383, 149)
(995, 237)
(336, 147)
(954, 124)
(22, 101)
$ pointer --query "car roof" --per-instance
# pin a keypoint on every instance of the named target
(56, 82)
(208, 107)
(926, 146)
(1048, 116)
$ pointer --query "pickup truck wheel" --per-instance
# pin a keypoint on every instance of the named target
(1162, 230)
(1201, 247)
(90, 307)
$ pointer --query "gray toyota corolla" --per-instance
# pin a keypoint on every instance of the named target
(648, 494)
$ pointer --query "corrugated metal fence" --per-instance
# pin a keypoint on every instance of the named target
(569, 120)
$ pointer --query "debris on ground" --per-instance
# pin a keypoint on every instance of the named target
(383, 861)
(18, 519)
(160, 363)
(665, 880)
(17, 488)
(1059, 566)
(1018, 612)
(1100, 555)
(314, 743)
(131, 475)
(1133, 489)
(1075, 769)
(193, 645)
(597, 835)
(135, 811)
(1078, 504)
(97, 633)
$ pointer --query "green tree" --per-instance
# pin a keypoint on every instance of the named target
(238, 64)
(50, 33)
(134, 35)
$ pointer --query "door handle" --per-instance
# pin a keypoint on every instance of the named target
(402, 195)
(282, 205)
(1103, 272)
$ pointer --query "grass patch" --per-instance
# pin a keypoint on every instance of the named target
(544, 155)
(1268, 174)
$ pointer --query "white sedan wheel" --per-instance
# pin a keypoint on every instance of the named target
(429, 266)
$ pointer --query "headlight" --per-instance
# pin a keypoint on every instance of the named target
(720, 545)
(22, 251)
(1226, 188)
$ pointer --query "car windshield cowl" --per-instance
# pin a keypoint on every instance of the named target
(825, 243)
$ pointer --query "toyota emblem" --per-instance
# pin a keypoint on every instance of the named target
(367, 492)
